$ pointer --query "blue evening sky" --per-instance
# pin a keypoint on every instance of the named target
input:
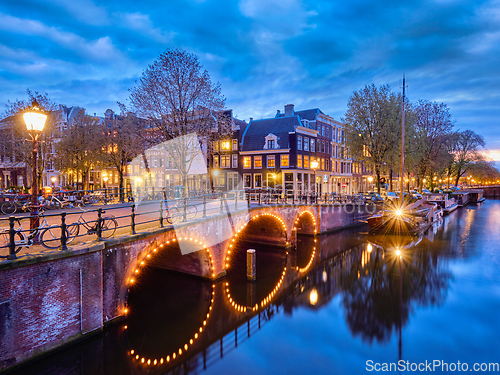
(265, 53)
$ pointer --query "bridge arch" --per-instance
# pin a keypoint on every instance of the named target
(255, 228)
(305, 223)
(149, 256)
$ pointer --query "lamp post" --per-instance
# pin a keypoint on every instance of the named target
(314, 166)
(370, 180)
(35, 121)
(104, 180)
(53, 179)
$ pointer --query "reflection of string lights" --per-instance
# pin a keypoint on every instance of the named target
(182, 349)
(300, 215)
(304, 269)
(231, 244)
(263, 303)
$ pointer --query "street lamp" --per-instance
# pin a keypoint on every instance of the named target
(35, 121)
(104, 180)
(53, 179)
(314, 166)
(370, 180)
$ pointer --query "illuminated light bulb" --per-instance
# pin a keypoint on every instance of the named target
(210, 308)
(204, 322)
(185, 238)
(174, 240)
(125, 311)
(190, 239)
(136, 271)
(180, 351)
(142, 360)
(398, 212)
(201, 329)
(398, 253)
(132, 352)
(131, 281)
(149, 361)
(195, 335)
(148, 256)
(126, 328)
(137, 356)
(168, 358)
(213, 275)
(154, 249)
(230, 246)
(185, 346)
(142, 263)
(208, 316)
(155, 362)
(174, 355)
(161, 361)
(168, 242)
(191, 341)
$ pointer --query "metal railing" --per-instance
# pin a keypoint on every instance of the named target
(153, 210)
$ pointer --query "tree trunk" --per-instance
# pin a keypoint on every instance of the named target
(377, 171)
(390, 180)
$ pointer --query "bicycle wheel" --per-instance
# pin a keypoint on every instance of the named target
(108, 227)
(174, 215)
(51, 237)
(73, 230)
(9, 208)
(191, 212)
(5, 242)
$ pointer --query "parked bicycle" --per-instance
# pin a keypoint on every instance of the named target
(108, 225)
(48, 235)
(16, 204)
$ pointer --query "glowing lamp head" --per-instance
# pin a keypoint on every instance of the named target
(34, 118)
(398, 252)
(398, 212)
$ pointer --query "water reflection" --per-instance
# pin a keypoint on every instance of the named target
(204, 324)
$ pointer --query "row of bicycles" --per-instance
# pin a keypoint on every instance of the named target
(50, 236)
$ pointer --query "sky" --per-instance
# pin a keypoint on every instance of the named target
(264, 53)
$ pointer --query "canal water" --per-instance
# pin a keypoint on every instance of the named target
(338, 304)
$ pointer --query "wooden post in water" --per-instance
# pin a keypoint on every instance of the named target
(251, 264)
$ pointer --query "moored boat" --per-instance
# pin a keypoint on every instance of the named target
(462, 198)
(443, 199)
(476, 195)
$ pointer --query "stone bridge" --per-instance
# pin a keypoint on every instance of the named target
(48, 300)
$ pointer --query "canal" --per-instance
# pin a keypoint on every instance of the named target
(338, 304)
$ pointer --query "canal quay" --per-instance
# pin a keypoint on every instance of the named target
(345, 302)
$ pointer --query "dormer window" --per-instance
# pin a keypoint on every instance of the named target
(271, 142)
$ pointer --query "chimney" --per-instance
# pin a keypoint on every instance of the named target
(251, 118)
(278, 114)
(289, 110)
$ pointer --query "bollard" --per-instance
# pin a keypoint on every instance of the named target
(221, 202)
(132, 219)
(99, 224)
(251, 264)
(12, 239)
(64, 238)
(204, 205)
(161, 214)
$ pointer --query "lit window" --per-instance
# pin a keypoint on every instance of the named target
(216, 161)
(225, 146)
(284, 161)
(270, 161)
(225, 161)
(312, 145)
(306, 161)
(257, 161)
(299, 161)
(247, 162)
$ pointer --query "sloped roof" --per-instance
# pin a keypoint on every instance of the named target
(253, 138)
(309, 114)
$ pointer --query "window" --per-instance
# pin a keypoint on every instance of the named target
(322, 164)
(312, 145)
(306, 161)
(235, 145)
(306, 144)
(284, 161)
(257, 161)
(225, 146)
(299, 161)
(247, 181)
(225, 161)
(270, 161)
(247, 162)
(216, 146)
(235, 161)
(270, 144)
(299, 142)
(257, 179)
(327, 132)
(323, 131)
(216, 161)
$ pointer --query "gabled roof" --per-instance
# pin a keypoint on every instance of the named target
(256, 131)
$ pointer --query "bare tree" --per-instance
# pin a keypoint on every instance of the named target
(433, 125)
(371, 125)
(81, 148)
(179, 99)
(467, 152)
(123, 140)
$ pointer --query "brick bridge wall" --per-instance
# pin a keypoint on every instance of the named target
(50, 299)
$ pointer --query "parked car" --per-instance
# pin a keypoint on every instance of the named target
(390, 196)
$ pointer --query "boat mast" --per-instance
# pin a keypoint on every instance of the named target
(402, 145)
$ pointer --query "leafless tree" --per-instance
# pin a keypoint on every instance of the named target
(179, 99)
(466, 149)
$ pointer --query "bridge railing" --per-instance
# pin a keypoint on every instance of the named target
(155, 210)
